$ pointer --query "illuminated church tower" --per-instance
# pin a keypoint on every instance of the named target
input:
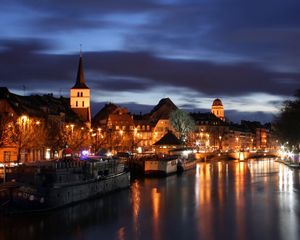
(80, 97)
(217, 109)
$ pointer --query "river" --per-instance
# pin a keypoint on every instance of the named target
(255, 199)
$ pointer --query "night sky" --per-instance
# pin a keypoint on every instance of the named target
(136, 52)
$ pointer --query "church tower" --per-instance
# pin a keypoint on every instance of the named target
(217, 109)
(80, 97)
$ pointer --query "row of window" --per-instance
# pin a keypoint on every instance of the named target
(143, 127)
(79, 94)
(132, 127)
(77, 103)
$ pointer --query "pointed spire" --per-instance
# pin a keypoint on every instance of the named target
(80, 81)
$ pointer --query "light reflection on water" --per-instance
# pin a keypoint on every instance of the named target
(255, 199)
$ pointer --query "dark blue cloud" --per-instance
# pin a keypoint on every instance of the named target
(125, 71)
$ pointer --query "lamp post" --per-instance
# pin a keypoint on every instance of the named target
(23, 124)
(72, 128)
(98, 135)
(134, 138)
(237, 142)
(4, 171)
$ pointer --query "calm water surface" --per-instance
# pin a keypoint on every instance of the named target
(257, 199)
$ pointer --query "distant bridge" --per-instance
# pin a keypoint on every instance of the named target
(240, 155)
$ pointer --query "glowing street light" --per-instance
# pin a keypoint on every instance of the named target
(72, 128)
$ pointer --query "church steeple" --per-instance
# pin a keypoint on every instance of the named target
(80, 81)
(80, 96)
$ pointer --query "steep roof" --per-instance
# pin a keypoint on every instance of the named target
(80, 81)
(168, 139)
(104, 112)
(162, 110)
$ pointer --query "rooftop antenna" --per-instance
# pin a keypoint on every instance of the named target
(60, 91)
(80, 50)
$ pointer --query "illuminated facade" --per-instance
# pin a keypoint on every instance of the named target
(217, 109)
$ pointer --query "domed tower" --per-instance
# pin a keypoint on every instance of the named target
(80, 97)
(217, 109)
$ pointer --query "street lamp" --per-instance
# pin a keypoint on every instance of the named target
(72, 127)
(237, 142)
(24, 119)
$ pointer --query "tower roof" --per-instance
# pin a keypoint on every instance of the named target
(217, 102)
(80, 81)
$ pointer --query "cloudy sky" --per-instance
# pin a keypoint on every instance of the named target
(136, 52)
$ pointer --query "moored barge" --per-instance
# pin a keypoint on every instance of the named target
(161, 165)
(45, 186)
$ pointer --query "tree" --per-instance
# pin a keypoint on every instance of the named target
(26, 133)
(76, 137)
(5, 132)
(56, 139)
(182, 123)
(287, 124)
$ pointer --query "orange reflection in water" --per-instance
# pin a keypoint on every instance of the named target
(205, 180)
(136, 205)
(155, 196)
(155, 202)
(220, 179)
(239, 175)
(240, 201)
(203, 199)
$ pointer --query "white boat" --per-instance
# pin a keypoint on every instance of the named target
(186, 164)
(161, 165)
